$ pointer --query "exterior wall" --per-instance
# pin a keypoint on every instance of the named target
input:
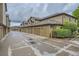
(2, 32)
(7, 21)
(24, 29)
(7, 29)
(3, 28)
(52, 28)
(58, 19)
(4, 14)
(39, 30)
(68, 18)
(46, 30)
(14, 29)
(21, 29)
(1, 13)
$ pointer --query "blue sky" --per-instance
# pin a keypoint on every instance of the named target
(19, 12)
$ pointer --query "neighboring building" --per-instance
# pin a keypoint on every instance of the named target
(7, 23)
(14, 28)
(45, 26)
(7, 20)
(3, 20)
(30, 21)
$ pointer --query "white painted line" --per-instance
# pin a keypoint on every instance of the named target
(47, 54)
(76, 42)
(71, 52)
(19, 43)
(51, 44)
(36, 51)
(62, 49)
(20, 47)
(9, 51)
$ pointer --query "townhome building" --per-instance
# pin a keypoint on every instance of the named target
(4, 20)
(45, 26)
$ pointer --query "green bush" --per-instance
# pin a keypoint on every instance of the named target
(62, 33)
(67, 30)
(70, 25)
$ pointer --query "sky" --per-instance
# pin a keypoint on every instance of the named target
(19, 12)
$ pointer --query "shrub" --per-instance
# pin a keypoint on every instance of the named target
(70, 25)
(62, 33)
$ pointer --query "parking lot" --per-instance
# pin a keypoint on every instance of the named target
(24, 44)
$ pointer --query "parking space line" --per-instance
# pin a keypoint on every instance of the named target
(64, 49)
(9, 51)
(51, 45)
(36, 51)
(20, 47)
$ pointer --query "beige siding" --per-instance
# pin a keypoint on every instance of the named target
(1, 13)
(2, 32)
(72, 19)
(39, 30)
(58, 19)
(46, 30)
(4, 15)
(65, 17)
(3, 29)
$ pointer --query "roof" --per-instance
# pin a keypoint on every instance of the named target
(49, 22)
(44, 23)
(35, 18)
(57, 14)
(44, 20)
(50, 16)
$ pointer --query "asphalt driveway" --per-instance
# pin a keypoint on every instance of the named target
(24, 44)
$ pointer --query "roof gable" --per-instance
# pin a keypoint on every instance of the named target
(57, 14)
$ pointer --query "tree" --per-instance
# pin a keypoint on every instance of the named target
(76, 14)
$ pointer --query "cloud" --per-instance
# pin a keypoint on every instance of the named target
(69, 8)
(14, 24)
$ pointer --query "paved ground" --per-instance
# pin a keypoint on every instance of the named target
(24, 44)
